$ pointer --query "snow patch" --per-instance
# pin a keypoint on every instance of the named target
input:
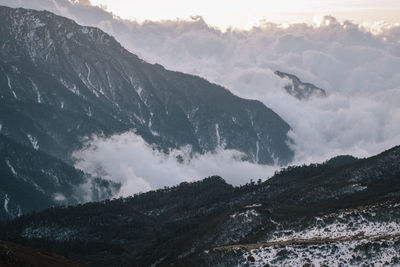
(358, 187)
(11, 168)
(36, 90)
(139, 91)
(342, 224)
(34, 141)
(235, 121)
(353, 253)
(154, 133)
(91, 84)
(36, 23)
(89, 112)
(257, 150)
(248, 214)
(150, 122)
(88, 76)
(6, 201)
(108, 80)
(71, 88)
(9, 86)
(220, 142)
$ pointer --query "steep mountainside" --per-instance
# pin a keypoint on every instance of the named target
(60, 81)
(298, 89)
(31, 181)
(346, 211)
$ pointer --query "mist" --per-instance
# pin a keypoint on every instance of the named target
(357, 64)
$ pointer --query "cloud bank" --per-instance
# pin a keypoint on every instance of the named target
(358, 66)
(129, 160)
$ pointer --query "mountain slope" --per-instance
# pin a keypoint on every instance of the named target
(53, 70)
(293, 218)
(32, 181)
(15, 255)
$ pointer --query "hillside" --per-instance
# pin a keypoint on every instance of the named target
(301, 215)
(31, 181)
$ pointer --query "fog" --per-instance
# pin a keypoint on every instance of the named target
(357, 64)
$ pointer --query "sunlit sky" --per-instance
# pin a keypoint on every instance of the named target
(244, 14)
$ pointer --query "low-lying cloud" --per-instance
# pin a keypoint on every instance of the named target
(129, 160)
(358, 66)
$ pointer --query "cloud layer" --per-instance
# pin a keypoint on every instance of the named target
(129, 160)
(358, 66)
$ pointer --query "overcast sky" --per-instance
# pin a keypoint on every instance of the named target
(244, 14)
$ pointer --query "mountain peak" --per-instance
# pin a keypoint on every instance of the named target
(298, 89)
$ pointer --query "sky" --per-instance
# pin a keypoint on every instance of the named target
(245, 14)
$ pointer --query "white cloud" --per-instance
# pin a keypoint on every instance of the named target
(358, 69)
(129, 160)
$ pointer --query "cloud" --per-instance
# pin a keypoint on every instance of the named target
(357, 64)
(129, 160)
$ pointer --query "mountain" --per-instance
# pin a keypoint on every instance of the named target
(298, 89)
(61, 82)
(32, 181)
(347, 213)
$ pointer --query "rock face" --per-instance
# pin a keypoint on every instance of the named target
(346, 213)
(60, 81)
(298, 89)
(32, 181)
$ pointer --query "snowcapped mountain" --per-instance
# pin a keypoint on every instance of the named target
(298, 89)
(343, 212)
(32, 180)
(60, 82)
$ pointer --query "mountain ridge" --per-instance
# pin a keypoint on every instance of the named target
(51, 62)
(298, 89)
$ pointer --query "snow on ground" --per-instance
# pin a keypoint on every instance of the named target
(343, 224)
(353, 253)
